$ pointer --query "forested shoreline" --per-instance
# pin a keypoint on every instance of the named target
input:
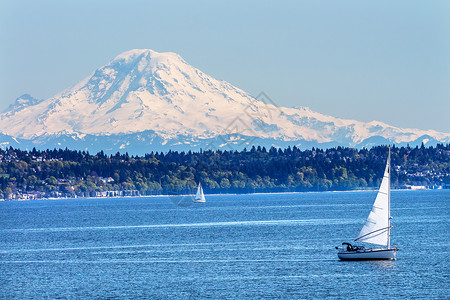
(66, 173)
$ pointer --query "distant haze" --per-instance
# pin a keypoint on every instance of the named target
(383, 60)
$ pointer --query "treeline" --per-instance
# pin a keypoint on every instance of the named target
(69, 173)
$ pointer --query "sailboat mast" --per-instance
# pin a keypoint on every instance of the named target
(389, 199)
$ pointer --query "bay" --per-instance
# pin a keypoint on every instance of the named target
(233, 246)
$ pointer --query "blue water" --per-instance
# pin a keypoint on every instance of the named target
(233, 246)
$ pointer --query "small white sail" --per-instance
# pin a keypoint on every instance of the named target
(199, 197)
(376, 229)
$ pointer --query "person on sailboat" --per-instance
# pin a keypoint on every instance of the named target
(351, 247)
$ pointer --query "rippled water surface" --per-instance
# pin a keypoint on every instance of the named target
(233, 246)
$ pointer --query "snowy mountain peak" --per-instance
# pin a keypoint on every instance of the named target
(22, 102)
(142, 90)
(147, 54)
(136, 91)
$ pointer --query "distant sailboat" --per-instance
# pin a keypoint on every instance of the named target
(377, 229)
(199, 197)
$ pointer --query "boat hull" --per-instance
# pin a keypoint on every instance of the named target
(376, 254)
(199, 201)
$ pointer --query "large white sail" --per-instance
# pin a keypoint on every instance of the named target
(376, 229)
(199, 197)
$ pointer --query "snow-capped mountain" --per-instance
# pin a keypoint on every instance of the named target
(144, 101)
(22, 102)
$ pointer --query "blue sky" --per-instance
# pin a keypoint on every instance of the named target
(363, 60)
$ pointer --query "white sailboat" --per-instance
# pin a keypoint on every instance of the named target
(199, 197)
(377, 229)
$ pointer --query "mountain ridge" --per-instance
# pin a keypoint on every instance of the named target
(142, 90)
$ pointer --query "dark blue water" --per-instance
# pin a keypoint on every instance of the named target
(233, 246)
